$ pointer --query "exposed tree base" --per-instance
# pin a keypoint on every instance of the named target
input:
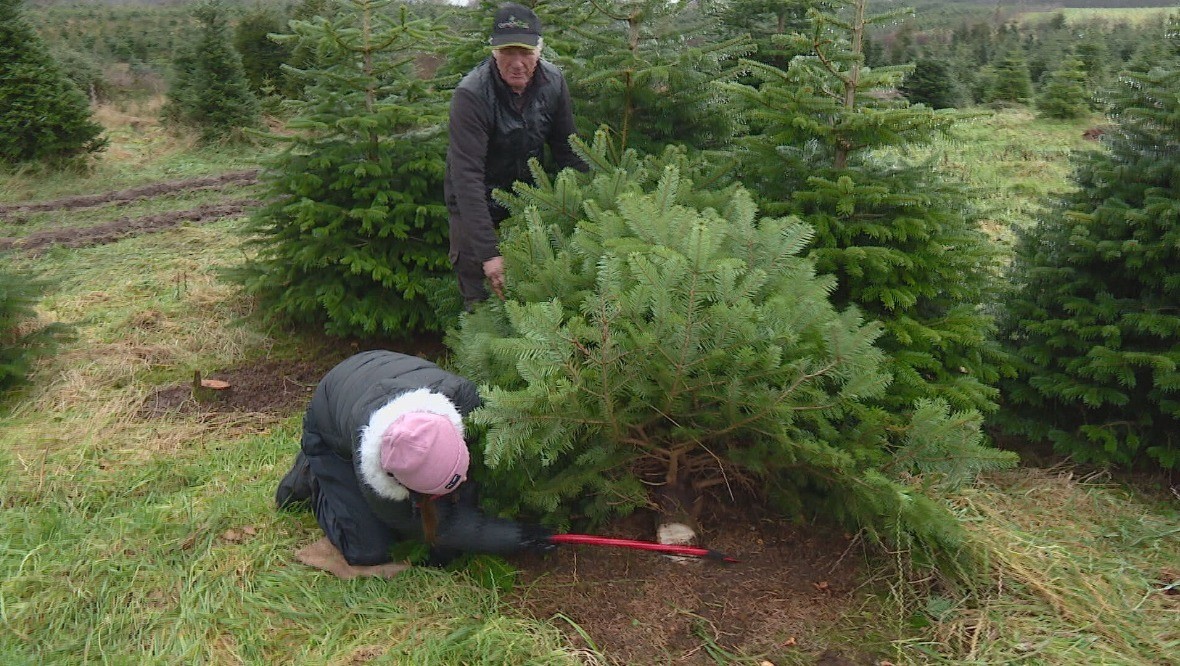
(677, 509)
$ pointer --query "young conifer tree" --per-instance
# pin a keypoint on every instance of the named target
(209, 90)
(1010, 80)
(1096, 318)
(897, 235)
(648, 68)
(301, 55)
(262, 57)
(932, 83)
(471, 29)
(765, 21)
(1064, 95)
(354, 234)
(660, 334)
(43, 115)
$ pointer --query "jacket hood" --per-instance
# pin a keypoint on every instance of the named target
(369, 449)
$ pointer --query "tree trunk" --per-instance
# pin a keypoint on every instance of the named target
(678, 506)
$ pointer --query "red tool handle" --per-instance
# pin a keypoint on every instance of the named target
(670, 549)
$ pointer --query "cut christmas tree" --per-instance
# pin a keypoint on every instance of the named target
(662, 337)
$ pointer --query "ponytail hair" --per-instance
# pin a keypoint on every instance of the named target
(429, 519)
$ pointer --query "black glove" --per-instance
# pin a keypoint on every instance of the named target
(467, 529)
(535, 538)
(441, 557)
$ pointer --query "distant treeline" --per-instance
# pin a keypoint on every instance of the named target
(143, 3)
(968, 57)
(122, 48)
(1117, 4)
(1037, 5)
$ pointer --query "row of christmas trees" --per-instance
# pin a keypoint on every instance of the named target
(750, 292)
(753, 290)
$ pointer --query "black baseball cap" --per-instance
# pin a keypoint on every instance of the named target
(515, 25)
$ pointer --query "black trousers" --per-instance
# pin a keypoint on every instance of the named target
(471, 279)
(469, 269)
(345, 516)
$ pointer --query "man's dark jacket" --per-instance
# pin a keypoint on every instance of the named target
(493, 134)
(342, 427)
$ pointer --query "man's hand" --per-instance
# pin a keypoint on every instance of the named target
(494, 270)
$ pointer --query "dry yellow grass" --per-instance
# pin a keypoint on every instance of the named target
(1079, 574)
(137, 327)
(137, 136)
(130, 114)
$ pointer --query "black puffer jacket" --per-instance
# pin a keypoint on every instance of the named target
(348, 413)
(493, 134)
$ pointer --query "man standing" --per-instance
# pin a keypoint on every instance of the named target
(504, 112)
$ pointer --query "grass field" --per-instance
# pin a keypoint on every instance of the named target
(1108, 15)
(133, 540)
(1015, 162)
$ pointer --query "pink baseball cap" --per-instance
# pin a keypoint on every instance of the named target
(425, 453)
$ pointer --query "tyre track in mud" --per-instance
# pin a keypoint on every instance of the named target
(124, 227)
(221, 181)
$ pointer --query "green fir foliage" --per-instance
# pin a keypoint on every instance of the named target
(301, 54)
(766, 21)
(469, 43)
(1095, 321)
(209, 90)
(1009, 80)
(660, 333)
(354, 234)
(43, 114)
(976, 44)
(647, 69)
(262, 57)
(84, 70)
(932, 83)
(897, 235)
(1064, 96)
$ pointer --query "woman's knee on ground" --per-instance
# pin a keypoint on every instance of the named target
(364, 554)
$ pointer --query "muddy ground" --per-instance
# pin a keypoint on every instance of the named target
(123, 227)
(783, 603)
(152, 190)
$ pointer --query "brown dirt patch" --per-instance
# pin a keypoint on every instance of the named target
(124, 227)
(278, 387)
(269, 386)
(779, 603)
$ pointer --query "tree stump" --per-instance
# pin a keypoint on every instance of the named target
(208, 391)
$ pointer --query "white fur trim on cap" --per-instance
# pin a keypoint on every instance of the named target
(420, 400)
